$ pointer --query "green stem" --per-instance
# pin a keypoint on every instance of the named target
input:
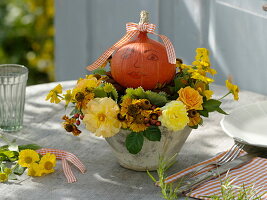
(60, 96)
(224, 96)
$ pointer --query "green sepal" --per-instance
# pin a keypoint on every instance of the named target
(134, 142)
(152, 133)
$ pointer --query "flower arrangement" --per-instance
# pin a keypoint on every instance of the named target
(105, 106)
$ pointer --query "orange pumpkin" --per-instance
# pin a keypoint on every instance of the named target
(142, 62)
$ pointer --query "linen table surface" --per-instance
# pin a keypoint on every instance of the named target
(104, 179)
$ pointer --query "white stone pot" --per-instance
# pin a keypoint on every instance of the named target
(148, 158)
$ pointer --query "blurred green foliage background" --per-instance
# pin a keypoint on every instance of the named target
(27, 37)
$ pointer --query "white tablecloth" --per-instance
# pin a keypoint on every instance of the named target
(104, 179)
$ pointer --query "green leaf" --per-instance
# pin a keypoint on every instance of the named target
(99, 92)
(4, 148)
(100, 71)
(3, 157)
(204, 113)
(156, 98)
(134, 142)
(29, 146)
(211, 105)
(137, 93)
(12, 177)
(114, 94)
(152, 133)
(178, 83)
(19, 170)
(221, 111)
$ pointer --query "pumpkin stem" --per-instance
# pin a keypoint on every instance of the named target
(144, 17)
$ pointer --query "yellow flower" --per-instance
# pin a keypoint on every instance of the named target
(28, 157)
(194, 118)
(47, 163)
(191, 98)
(35, 170)
(232, 88)
(201, 88)
(68, 97)
(53, 94)
(3, 177)
(136, 127)
(108, 87)
(8, 171)
(100, 117)
(208, 94)
(174, 116)
(86, 84)
(198, 76)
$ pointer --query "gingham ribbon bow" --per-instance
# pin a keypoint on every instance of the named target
(132, 30)
(65, 157)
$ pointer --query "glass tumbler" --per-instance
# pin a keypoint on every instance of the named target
(13, 80)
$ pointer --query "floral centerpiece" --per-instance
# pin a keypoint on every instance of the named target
(135, 115)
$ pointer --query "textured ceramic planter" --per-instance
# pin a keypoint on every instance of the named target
(148, 158)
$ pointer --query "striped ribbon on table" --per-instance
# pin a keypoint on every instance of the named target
(132, 29)
(65, 157)
(252, 173)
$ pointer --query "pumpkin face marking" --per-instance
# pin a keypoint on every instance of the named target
(142, 62)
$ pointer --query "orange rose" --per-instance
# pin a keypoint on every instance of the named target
(191, 98)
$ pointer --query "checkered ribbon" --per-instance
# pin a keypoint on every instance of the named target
(132, 30)
(65, 157)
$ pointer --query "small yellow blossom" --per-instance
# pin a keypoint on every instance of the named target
(174, 116)
(28, 157)
(86, 84)
(100, 117)
(35, 170)
(47, 163)
(233, 89)
(53, 94)
(68, 97)
(3, 177)
(194, 118)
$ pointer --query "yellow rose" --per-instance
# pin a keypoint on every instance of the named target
(191, 98)
(100, 117)
(174, 116)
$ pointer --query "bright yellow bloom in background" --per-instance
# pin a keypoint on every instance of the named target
(100, 117)
(35, 170)
(174, 116)
(28, 157)
(232, 88)
(47, 163)
(53, 94)
(191, 98)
